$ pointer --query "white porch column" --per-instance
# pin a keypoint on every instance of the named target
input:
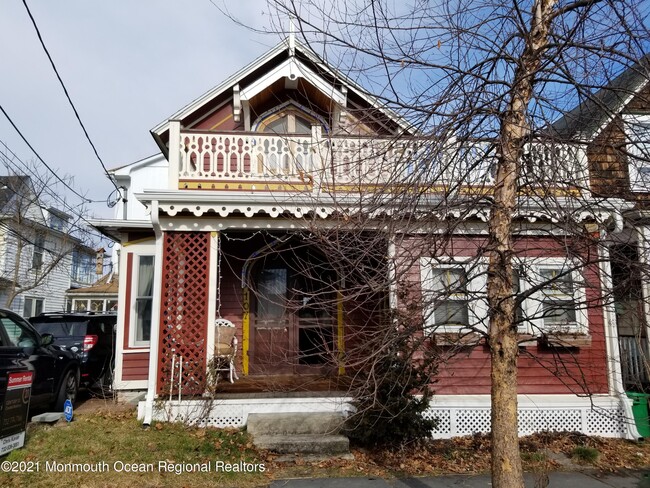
(214, 293)
(612, 349)
(154, 346)
(174, 153)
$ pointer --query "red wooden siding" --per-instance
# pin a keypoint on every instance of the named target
(221, 120)
(184, 309)
(542, 370)
(135, 366)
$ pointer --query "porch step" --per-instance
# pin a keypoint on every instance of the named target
(299, 433)
(294, 423)
(310, 444)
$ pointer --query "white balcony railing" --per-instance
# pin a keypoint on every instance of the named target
(354, 161)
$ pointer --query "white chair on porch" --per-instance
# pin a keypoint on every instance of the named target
(225, 349)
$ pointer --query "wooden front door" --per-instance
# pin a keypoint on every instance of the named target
(293, 325)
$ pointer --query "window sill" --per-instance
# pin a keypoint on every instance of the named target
(460, 339)
(563, 339)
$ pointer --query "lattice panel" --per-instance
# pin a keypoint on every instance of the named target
(605, 421)
(184, 312)
(555, 420)
(472, 420)
(444, 420)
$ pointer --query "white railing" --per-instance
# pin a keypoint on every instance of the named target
(336, 161)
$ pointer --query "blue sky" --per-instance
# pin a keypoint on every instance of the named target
(127, 66)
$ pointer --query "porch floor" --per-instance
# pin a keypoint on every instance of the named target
(270, 386)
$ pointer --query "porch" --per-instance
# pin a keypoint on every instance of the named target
(286, 304)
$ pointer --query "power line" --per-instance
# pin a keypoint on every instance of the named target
(86, 200)
(72, 210)
(65, 90)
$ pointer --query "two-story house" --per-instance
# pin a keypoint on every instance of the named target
(39, 258)
(293, 205)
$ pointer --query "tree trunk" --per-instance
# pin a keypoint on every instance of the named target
(506, 462)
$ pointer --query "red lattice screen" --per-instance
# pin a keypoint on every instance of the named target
(184, 311)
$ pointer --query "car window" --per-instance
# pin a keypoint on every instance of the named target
(61, 328)
(17, 334)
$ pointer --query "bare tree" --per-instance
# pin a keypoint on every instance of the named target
(490, 76)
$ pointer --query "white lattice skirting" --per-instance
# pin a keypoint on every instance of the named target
(605, 416)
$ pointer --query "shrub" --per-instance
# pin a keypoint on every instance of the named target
(387, 412)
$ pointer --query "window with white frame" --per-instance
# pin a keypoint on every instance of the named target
(454, 295)
(556, 304)
(143, 300)
(637, 131)
(32, 306)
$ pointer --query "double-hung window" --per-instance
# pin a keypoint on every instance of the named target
(453, 296)
(556, 303)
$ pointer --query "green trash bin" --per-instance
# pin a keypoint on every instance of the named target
(640, 412)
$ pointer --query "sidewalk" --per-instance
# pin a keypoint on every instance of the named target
(556, 480)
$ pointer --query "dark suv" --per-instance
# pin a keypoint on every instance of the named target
(55, 371)
(90, 336)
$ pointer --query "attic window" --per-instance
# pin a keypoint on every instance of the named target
(288, 118)
(287, 122)
(637, 131)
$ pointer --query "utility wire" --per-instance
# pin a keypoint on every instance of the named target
(65, 90)
(73, 210)
(86, 200)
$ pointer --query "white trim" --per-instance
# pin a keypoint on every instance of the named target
(130, 385)
(291, 69)
(135, 351)
(457, 414)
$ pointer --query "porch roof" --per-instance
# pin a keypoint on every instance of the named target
(220, 204)
(113, 228)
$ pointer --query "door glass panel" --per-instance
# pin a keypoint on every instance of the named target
(272, 293)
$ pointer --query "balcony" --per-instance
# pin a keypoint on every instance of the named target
(264, 162)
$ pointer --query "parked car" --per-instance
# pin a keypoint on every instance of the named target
(90, 336)
(55, 371)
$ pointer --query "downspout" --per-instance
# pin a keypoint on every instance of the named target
(155, 319)
(616, 387)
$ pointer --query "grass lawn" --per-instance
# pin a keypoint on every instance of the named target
(116, 443)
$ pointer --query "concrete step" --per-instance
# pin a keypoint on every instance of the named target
(323, 445)
(260, 424)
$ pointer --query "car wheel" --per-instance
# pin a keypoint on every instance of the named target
(67, 391)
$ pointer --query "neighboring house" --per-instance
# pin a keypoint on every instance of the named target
(101, 296)
(214, 228)
(615, 127)
(39, 259)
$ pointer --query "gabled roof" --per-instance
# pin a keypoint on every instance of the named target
(310, 64)
(589, 118)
